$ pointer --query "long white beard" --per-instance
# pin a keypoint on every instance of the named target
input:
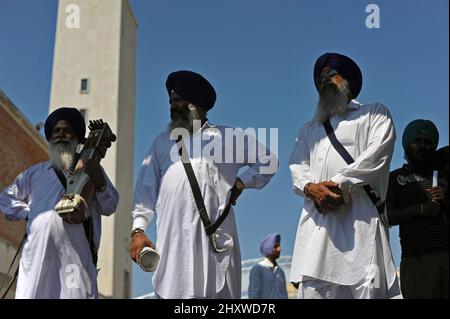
(62, 155)
(185, 120)
(333, 101)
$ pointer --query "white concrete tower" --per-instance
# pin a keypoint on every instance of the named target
(94, 70)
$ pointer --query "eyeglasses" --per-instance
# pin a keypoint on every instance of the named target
(329, 73)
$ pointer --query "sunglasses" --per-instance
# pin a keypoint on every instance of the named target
(330, 73)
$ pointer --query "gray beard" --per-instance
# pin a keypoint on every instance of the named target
(333, 101)
(184, 120)
(62, 155)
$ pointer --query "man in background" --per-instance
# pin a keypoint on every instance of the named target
(267, 279)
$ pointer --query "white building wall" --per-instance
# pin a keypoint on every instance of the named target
(102, 50)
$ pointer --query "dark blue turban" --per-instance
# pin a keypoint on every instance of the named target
(192, 87)
(345, 66)
(71, 115)
(420, 126)
(268, 243)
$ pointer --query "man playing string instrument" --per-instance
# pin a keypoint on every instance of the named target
(57, 259)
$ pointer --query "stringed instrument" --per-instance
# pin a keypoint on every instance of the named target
(73, 206)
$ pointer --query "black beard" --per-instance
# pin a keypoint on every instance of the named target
(421, 161)
(183, 120)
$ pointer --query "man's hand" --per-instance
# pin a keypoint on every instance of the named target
(326, 195)
(436, 193)
(95, 172)
(138, 242)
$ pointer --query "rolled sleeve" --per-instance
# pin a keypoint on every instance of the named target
(374, 161)
(259, 173)
(146, 191)
(299, 164)
(108, 199)
(14, 199)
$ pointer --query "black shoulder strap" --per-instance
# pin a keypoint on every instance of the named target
(209, 227)
(88, 224)
(336, 144)
(61, 177)
(376, 200)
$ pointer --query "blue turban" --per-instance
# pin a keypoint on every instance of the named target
(71, 115)
(420, 126)
(268, 243)
(192, 87)
(345, 66)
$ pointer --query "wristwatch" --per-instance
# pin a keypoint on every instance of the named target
(137, 230)
(306, 190)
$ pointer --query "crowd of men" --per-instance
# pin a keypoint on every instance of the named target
(340, 166)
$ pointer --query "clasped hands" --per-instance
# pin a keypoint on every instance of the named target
(327, 195)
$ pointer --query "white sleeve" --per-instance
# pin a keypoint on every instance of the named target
(108, 199)
(14, 198)
(146, 191)
(259, 171)
(299, 163)
(375, 159)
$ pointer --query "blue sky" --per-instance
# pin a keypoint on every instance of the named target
(259, 54)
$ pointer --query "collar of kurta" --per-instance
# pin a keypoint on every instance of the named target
(266, 262)
(49, 166)
(353, 104)
(205, 126)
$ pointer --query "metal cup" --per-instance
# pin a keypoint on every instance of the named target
(149, 259)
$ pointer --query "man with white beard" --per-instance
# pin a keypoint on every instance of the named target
(341, 248)
(190, 266)
(58, 260)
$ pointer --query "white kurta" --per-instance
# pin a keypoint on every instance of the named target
(56, 260)
(189, 268)
(339, 247)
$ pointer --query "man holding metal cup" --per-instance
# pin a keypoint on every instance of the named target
(186, 182)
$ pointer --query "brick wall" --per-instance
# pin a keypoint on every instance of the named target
(20, 147)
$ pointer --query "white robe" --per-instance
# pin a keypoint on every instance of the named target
(188, 267)
(339, 247)
(56, 260)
